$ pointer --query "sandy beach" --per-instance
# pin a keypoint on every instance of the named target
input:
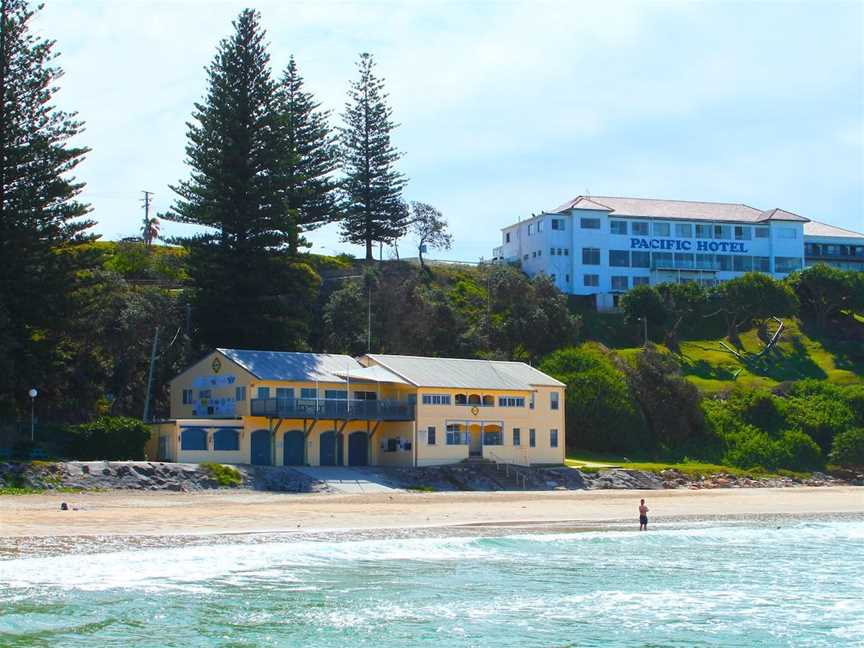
(135, 513)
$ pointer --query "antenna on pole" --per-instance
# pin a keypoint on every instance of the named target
(147, 230)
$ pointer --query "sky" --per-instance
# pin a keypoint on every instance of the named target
(505, 108)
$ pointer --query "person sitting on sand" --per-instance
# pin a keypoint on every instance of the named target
(643, 516)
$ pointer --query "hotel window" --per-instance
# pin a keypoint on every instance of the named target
(539, 226)
(553, 438)
(488, 401)
(517, 437)
(461, 399)
(430, 435)
(193, 439)
(511, 401)
(618, 227)
(525, 257)
(589, 223)
(723, 261)
(619, 283)
(640, 259)
(530, 228)
(640, 281)
(786, 233)
(308, 392)
(534, 255)
(703, 231)
(263, 392)
(239, 393)
(539, 252)
(551, 251)
(506, 237)
(493, 438)
(187, 397)
(365, 395)
(762, 264)
(590, 256)
(722, 232)
(661, 229)
(639, 229)
(532, 438)
(661, 259)
(705, 261)
(553, 400)
(336, 394)
(558, 224)
(204, 393)
(742, 263)
(762, 232)
(566, 252)
(284, 392)
(436, 399)
(683, 230)
(619, 258)
(226, 439)
(474, 399)
(683, 260)
(455, 435)
(567, 279)
(743, 233)
(787, 264)
(591, 280)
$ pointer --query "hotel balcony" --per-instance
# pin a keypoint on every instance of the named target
(331, 408)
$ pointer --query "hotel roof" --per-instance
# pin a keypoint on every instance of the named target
(290, 365)
(815, 228)
(677, 209)
(459, 373)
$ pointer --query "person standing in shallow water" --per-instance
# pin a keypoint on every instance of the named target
(643, 516)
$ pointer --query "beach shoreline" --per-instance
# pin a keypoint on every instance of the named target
(124, 513)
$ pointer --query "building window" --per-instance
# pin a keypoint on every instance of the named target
(506, 237)
(524, 257)
(762, 264)
(226, 439)
(308, 392)
(436, 399)
(661, 259)
(365, 395)
(263, 392)
(193, 439)
(539, 226)
(204, 393)
(474, 399)
(590, 256)
(488, 401)
(187, 396)
(639, 229)
(567, 279)
(703, 231)
(591, 280)
(619, 283)
(743, 233)
(284, 392)
(722, 231)
(517, 437)
(455, 435)
(618, 227)
(723, 261)
(530, 228)
(552, 277)
(553, 438)
(493, 438)
(661, 229)
(640, 259)
(787, 264)
(553, 400)
(683, 260)
(239, 394)
(589, 223)
(619, 258)
(532, 438)
(640, 281)
(552, 251)
(567, 251)
(762, 232)
(511, 401)
(683, 230)
(539, 253)
(336, 394)
(742, 263)
(430, 435)
(557, 223)
(786, 233)
(534, 255)
(461, 399)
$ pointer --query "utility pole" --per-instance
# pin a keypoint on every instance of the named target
(645, 331)
(369, 320)
(146, 228)
(150, 375)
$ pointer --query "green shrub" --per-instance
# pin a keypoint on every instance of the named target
(227, 476)
(110, 438)
(750, 447)
(848, 448)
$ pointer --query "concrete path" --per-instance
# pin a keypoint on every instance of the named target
(350, 480)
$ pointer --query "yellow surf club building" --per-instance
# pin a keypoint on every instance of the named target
(286, 408)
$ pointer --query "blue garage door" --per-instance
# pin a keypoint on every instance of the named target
(261, 448)
(358, 449)
(331, 449)
(292, 448)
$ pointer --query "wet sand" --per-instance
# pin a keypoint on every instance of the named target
(221, 512)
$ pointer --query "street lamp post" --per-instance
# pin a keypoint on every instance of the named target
(33, 394)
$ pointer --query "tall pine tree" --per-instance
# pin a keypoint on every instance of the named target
(374, 210)
(41, 221)
(246, 293)
(307, 160)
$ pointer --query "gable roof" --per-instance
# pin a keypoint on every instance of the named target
(462, 373)
(290, 365)
(677, 209)
(815, 228)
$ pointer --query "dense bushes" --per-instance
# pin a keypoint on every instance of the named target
(848, 448)
(109, 438)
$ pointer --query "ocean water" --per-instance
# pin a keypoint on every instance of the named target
(775, 582)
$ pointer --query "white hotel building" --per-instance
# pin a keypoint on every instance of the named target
(602, 246)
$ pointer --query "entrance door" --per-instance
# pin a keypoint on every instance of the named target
(293, 444)
(261, 448)
(358, 449)
(330, 449)
(476, 447)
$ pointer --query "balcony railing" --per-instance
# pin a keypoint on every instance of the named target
(332, 408)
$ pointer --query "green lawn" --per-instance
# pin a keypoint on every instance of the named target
(592, 462)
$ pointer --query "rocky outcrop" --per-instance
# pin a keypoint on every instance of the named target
(674, 479)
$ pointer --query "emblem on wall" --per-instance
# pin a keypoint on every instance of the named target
(216, 366)
(475, 410)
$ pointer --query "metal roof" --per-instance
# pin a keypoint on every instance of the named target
(815, 228)
(677, 209)
(374, 373)
(290, 365)
(460, 373)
